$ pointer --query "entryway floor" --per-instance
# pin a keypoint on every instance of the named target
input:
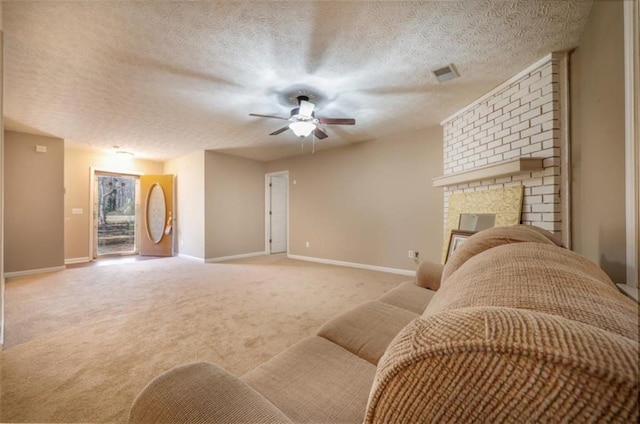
(114, 260)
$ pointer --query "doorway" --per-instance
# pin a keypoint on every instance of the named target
(276, 212)
(115, 214)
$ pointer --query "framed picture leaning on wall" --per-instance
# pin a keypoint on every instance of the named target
(457, 238)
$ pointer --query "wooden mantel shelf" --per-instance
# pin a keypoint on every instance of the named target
(495, 170)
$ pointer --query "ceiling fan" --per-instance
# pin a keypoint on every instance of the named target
(303, 120)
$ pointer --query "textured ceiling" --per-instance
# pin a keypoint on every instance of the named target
(164, 79)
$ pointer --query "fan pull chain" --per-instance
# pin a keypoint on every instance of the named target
(313, 144)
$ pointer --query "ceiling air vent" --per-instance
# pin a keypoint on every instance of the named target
(447, 73)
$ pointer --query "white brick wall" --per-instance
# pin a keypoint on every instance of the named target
(519, 119)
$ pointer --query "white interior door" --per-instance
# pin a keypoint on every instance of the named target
(278, 214)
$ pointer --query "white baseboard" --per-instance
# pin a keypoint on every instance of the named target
(229, 258)
(77, 260)
(398, 271)
(33, 271)
(190, 258)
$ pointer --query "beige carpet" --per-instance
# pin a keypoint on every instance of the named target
(81, 343)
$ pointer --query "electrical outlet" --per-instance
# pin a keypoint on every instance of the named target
(306, 244)
(411, 254)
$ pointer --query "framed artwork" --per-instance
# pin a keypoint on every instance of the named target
(457, 238)
(505, 204)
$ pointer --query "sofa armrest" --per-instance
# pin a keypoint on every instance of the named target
(429, 275)
(509, 365)
(202, 393)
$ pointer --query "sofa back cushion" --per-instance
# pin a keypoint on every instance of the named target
(543, 278)
(497, 236)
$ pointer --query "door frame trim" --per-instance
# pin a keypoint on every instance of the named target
(267, 204)
(92, 175)
(632, 140)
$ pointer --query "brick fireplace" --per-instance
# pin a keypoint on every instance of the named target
(520, 119)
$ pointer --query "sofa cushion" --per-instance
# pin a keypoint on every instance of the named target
(493, 237)
(315, 381)
(542, 278)
(501, 365)
(428, 275)
(408, 296)
(202, 393)
(367, 330)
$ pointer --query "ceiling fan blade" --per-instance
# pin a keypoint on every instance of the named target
(337, 121)
(268, 116)
(281, 130)
(319, 133)
(306, 108)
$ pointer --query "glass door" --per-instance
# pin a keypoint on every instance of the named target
(115, 214)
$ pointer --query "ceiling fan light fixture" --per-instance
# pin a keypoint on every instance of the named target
(302, 128)
(302, 119)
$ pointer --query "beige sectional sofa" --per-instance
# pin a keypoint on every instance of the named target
(515, 328)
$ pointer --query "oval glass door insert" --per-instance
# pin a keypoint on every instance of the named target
(156, 213)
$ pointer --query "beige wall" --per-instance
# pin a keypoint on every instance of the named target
(368, 203)
(34, 225)
(189, 200)
(234, 205)
(77, 177)
(597, 137)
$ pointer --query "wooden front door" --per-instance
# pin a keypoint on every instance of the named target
(156, 238)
